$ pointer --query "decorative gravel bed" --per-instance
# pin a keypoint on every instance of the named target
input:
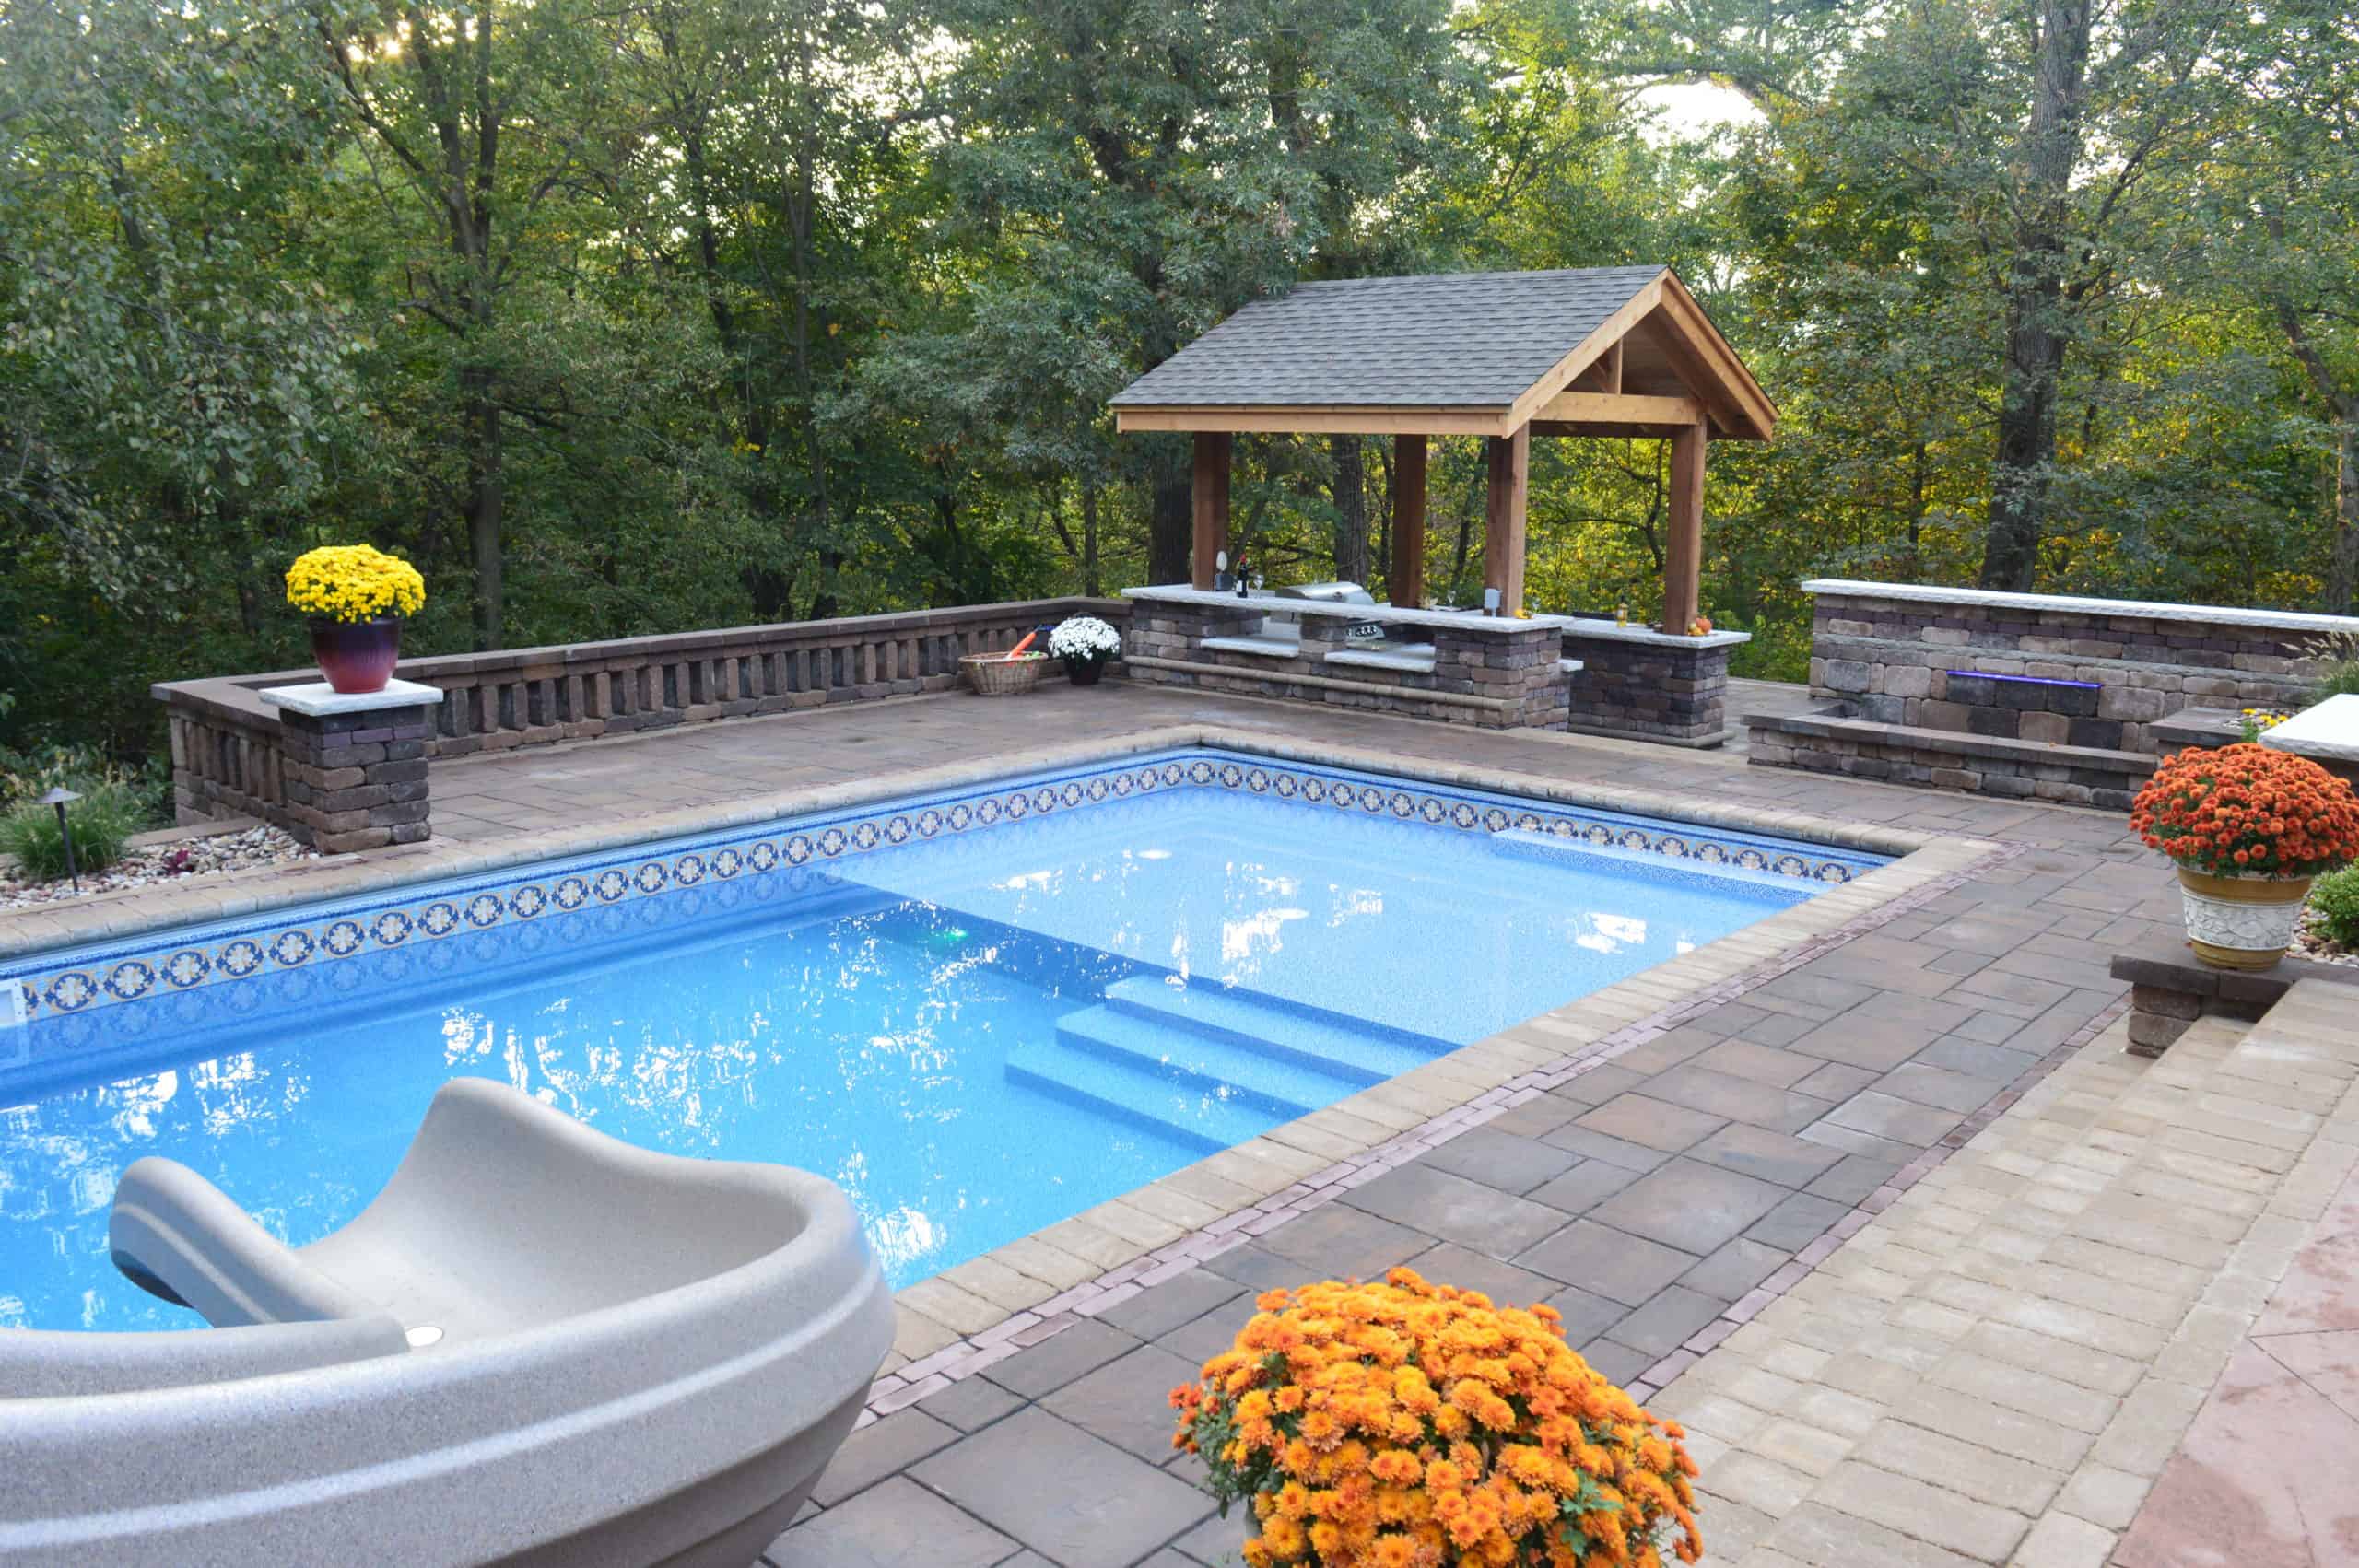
(164, 862)
(2313, 944)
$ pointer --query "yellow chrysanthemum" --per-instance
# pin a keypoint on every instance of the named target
(354, 582)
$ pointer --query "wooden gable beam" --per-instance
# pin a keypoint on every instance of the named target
(1619, 408)
(1588, 351)
(1711, 369)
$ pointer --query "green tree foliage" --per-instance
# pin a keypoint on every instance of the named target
(635, 317)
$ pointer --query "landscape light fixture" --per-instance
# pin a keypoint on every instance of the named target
(60, 798)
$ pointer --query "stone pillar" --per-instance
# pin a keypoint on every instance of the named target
(353, 766)
(1646, 686)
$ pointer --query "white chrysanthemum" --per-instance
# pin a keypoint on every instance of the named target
(1084, 636)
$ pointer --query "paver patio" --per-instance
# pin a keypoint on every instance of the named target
(1644, 1199)
(1725, 1207)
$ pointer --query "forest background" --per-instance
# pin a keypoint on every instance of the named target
(634, 316)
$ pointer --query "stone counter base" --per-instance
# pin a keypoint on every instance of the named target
(1649, 692)
(1493, 680)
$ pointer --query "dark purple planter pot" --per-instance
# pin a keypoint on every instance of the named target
(1085, 672)
(357, 656)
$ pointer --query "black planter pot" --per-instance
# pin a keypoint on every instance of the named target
(1085, 672)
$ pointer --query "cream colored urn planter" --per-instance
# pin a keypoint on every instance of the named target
(2241, 922)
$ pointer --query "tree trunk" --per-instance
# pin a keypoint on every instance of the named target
(1093, 583)
(2342, 560)
(2039, 330)
(1171, 514)
(484, 497)
(2342, 407)
(1350, 509)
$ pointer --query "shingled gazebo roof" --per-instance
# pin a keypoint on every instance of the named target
(1457, 354)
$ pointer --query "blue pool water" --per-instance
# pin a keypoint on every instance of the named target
(977, 1033)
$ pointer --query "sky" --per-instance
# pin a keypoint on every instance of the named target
(1692, 108)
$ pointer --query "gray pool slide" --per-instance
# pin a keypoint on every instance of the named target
(539, 1346)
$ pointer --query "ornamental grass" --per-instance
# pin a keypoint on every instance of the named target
(2248, 811)
(354, 582)
(1411, 1425)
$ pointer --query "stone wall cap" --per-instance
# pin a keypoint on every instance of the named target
(2166, 962)
(317, 698)
(2066, 605)
(2328, 731)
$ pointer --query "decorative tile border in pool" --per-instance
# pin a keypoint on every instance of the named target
(163, 963)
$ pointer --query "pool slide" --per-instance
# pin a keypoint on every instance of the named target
(539, 1346)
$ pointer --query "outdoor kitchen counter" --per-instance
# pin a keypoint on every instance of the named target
(1498, 672)
(1267, 602)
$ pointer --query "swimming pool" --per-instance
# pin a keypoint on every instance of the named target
(981, 1010)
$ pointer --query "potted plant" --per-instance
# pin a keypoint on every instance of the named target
(356, 596)
(2249, 828)
(1084, 643)
(1407, 1424)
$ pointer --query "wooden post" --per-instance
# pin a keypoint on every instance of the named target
(1405, 584)
(1683, 559)
(1509, 476)
(1209, 495)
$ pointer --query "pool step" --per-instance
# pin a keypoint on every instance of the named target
(1206, 1119)
(1208, 1064)
(1349, 1048)
(1280, 1084)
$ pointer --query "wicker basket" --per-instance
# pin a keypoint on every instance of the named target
(995, 674)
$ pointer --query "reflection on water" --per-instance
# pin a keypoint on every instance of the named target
(855, 1024)
(861, 1037)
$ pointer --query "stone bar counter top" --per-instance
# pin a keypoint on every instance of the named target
(1268, 603)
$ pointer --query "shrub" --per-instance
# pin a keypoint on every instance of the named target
(102, 820)
(2248, 811)
(1403, 1422)
(2341, 679)
(114, 805)
(2334, 905)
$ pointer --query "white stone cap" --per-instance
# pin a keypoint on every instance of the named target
(1597, 628)
(2066, 605)
(1447, 620)
(318, 699)
(2329, 730)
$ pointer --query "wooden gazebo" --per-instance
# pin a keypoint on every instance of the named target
(1593, 351)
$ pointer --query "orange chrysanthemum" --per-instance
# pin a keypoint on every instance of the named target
(1402, 1423)
(2248, 811)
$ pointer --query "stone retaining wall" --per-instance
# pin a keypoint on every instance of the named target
(227, 758)
(1889, 652)
(2025, 695)
(2075, 776)
(2170, 988)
